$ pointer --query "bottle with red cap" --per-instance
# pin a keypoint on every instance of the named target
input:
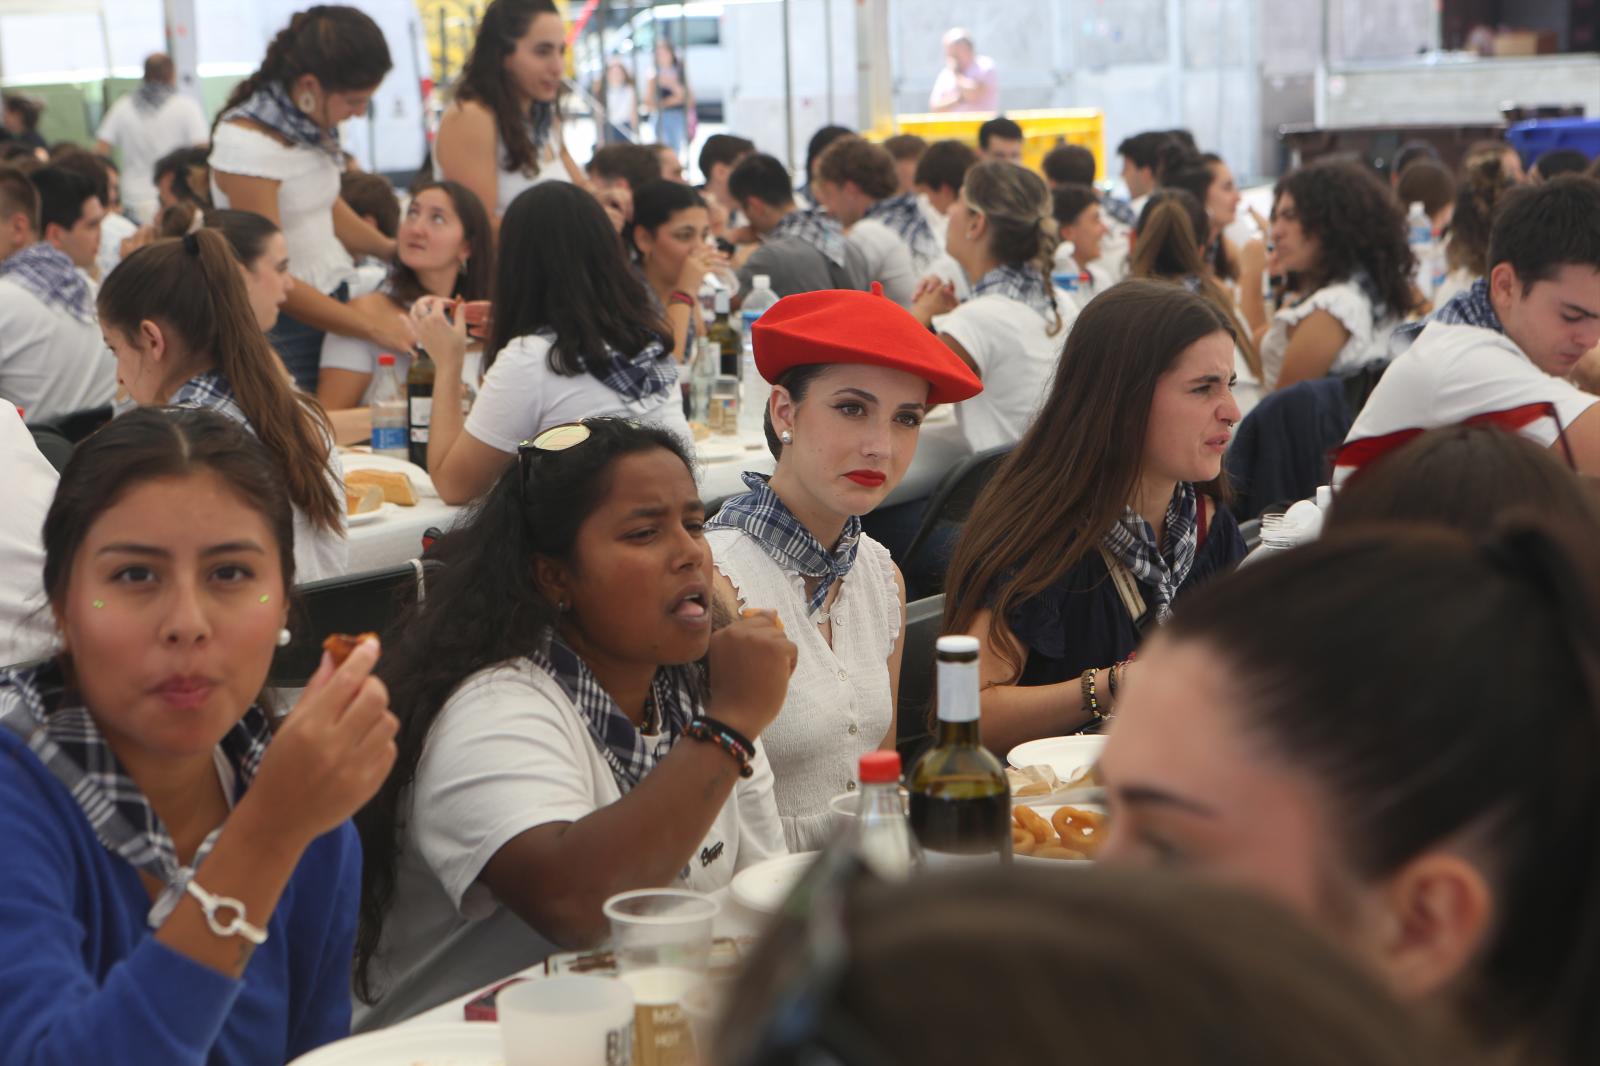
(388, 407)
(882, 834)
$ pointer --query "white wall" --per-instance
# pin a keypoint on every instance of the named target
(1457, 92)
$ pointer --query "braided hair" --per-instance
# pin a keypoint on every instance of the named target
(1022, 229)
(340, 46)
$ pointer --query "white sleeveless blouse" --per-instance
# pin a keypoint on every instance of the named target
(839, 703)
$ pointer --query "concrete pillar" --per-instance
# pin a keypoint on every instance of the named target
(183, 47)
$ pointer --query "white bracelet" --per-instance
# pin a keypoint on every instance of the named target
(235, 925)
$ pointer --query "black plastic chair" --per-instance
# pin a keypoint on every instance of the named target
(1251, 532)
(928, 555)
(356, 603)
(53, 445)
(924, 620)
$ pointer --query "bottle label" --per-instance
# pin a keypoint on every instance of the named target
(421, 416)
(958, 692)
(388, 438)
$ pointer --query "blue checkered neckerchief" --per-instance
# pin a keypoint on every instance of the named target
(647, 373)
(904, 216)
(212, 392)
(675, 698)
(1470, 307)
(816, 228)
(39, 708)
(1132, 543)
(151, 95)
(271, 107)
(1121, 210)
(769, 522)
(48, 273)
(1022, 284)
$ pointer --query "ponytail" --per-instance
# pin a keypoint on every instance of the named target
(340, 46)
(1167, 246)
(1022, 229)
(192, 286)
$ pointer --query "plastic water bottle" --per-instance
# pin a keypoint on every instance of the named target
(702, 375)
(882, 834)
(1067, 282)
(1419, 231)
(390, 429)
(753, 391)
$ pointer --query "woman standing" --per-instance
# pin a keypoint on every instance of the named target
(1103, 516)
(621, 102)
(1340, 236)
(574, 336)
(1009, 332)
(275, 151)
(177, 318)
(446, 250)
(503, 132)
(573, 727)
(669, 94)
(853, 376)
(181, 880)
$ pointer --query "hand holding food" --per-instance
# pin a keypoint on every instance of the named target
(751, 661)
(441, 332)
(335, 748)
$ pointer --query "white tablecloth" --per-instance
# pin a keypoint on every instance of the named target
(396, 534)
(733, 920)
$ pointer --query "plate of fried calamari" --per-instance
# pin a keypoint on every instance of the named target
(1057, 834)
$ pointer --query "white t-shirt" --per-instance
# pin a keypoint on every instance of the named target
(308, 186)
(25, 624)
(361, 357)
(1369, 328)
(521, 395)
(114, 229)
(511, 183)
(1451, 373)
(143, 137)
(888, 259)
(507, 753)
(51, 362)
(1016, 359)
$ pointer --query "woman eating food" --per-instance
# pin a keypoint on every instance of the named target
(572, 336)
(571, 726)
(178, 319)
(1107, 512)
(180, 880)
(445, 249)
(852, 375)
(1331, 727)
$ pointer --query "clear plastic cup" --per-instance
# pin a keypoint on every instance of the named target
(567, 1020)
(661, 929)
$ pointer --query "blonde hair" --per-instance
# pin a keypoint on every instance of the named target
(1022, 228)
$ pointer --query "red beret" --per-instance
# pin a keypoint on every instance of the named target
(845, 326)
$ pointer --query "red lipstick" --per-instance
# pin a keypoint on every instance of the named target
(869, 478)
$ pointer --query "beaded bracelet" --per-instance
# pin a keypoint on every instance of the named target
(1090, 703)
(1111, 680)
(725, 737)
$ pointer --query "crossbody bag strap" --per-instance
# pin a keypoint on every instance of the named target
(1127, 587)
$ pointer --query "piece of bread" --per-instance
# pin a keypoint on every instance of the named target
(360, 499)
(396, 485)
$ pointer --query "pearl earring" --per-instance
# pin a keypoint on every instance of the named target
(284, 637)
(308, 102)
(786, 437)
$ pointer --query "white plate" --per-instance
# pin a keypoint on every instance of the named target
(454, 1044)
(1045, 813)
(371, 516)
(765, 886)
(1067, 756)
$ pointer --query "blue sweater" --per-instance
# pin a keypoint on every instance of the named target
(83, 979)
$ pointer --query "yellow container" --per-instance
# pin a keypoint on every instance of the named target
(1042, 130)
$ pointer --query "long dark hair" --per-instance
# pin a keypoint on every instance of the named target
(473, 280)
(561, 269)
(1195, 176)
(152, 443)
(654, 204)
(1484, 184)
(1167, 246)
(1360, 229)
(1076, 468)
(484, 608)
(340, 46)
(246, 232)
(192, 287)
(483, 78)
(1416, 750)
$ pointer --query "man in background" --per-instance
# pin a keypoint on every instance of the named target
(968, 81)
(145, 125)
(800, 251)
(1000, 141)
(906, 149)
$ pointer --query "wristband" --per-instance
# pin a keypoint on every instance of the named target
(729, 739)
(1090, 702)
(236, 925)
(678, 296)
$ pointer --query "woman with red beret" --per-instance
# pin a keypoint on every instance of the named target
(853, 376)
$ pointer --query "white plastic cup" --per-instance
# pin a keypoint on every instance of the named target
(661, 929)
(567, 1020)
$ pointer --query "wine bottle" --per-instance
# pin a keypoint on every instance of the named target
(726, 336)
(419, 405)
(960, 798)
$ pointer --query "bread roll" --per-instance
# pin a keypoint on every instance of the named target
(395, 485)
(361, 499)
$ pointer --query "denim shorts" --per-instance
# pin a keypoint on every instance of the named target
(300, 345)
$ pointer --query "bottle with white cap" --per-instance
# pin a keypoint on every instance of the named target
(1419, 230)
(960, 797)
(754, 392)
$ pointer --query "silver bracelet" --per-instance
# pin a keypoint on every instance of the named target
(235, 925)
